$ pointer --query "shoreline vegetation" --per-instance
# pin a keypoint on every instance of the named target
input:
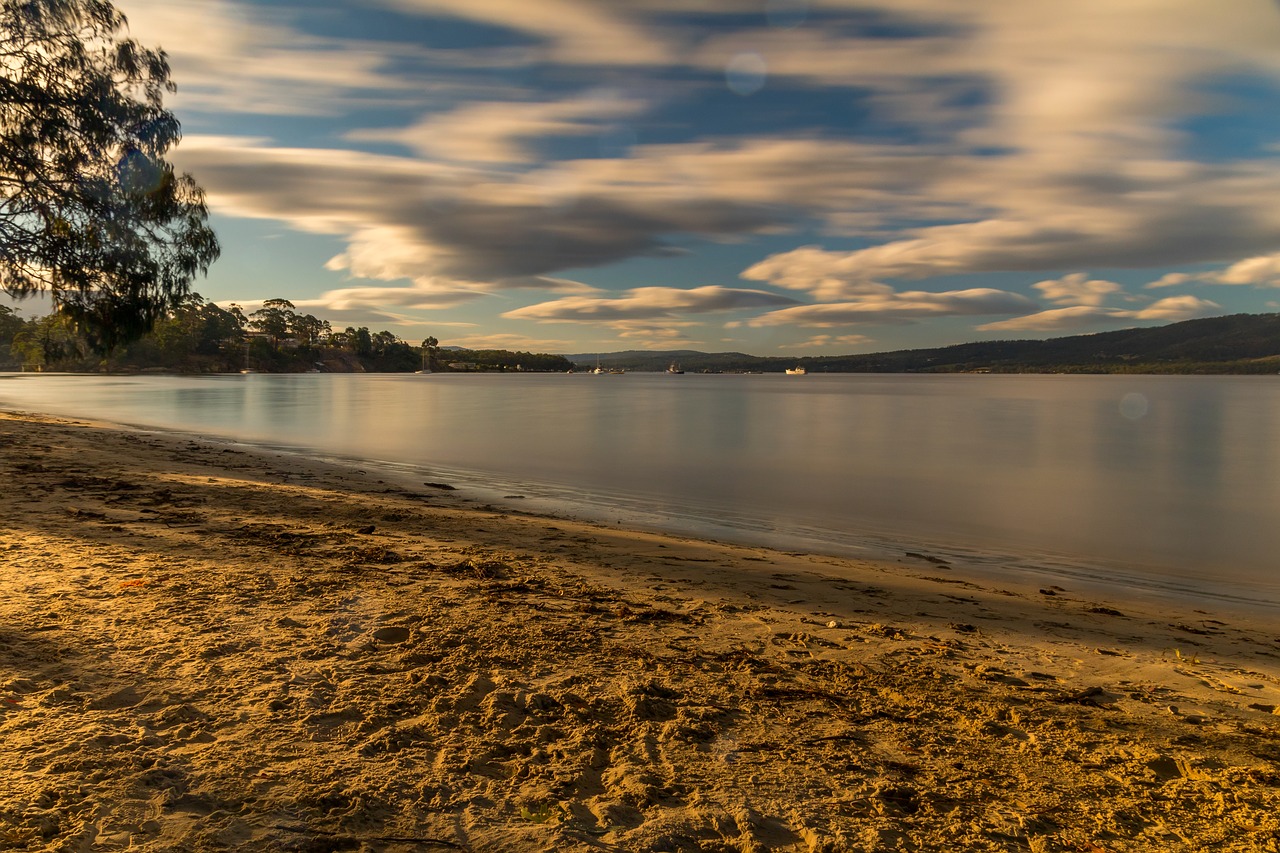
(210, 647)
(201, 337)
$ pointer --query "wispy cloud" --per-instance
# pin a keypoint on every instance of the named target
(517, 343)
(1259, 271)
(644, 303)
(983, 136)
(232, 57)
(1081, 317)
(411, 218)
(826, 341)
(899, 308)
(1078, 289)
(574, 32)
(498, 132)
(649, 334)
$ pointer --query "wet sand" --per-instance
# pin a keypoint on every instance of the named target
(207, 647)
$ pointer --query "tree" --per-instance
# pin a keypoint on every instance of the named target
(275, 319)
(430, 347)
(46, 342)
(10, 325)
(197, 336)
(90, 211)
(360, 340)
(309, 330)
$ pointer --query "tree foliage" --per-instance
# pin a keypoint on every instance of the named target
(10, 325)
(90, 211)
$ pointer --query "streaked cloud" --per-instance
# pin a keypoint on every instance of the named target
(899, 308)
(649, 334)
(935, 138)
(574, 32)
(1082, 317)
(1260, 271)
(516, 343)
(497, 132)
(410, 218)
(826, 341)
(644, 303)
(233, 57)
(1078, 289)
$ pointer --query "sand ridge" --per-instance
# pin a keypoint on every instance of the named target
(207, 647)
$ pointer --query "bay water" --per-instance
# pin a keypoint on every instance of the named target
(1164, 484)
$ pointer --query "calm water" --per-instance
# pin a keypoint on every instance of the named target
(1170, 482)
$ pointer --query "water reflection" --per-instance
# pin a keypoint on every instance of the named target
(1180, 474)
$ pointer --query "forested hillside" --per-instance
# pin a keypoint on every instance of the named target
(1240, 343)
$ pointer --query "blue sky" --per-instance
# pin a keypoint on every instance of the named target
(775, 177)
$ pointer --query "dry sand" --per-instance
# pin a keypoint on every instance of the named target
(204, 647)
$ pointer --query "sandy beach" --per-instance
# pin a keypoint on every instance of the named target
(209, 647)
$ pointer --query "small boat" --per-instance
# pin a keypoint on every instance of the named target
(675, 368)
(796, 371)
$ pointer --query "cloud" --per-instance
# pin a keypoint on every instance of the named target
(1173, 279)
(1078, 289)
(823, 341)
(426, 294)
(575, 32)
(1059, 148)
(416, 298)
(1080, 317)
(899, 308)
(1054, 81)
(1059, 319)
(1084, 224)
(405, 217)
(978, 139)
(515, 343)
(408, 218)
(645, 303)
(238, 58)
(1177, 308)
(1260, 271)
(496, 132)
(654, 335)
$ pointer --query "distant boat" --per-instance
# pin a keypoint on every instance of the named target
(600, 371)
(673, 367)
(796, 371)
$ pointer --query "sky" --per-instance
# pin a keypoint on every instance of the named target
(778, 178)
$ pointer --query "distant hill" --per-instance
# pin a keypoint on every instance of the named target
(1239, 343)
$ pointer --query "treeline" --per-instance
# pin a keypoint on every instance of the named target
(201, 337)
(497, 359)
